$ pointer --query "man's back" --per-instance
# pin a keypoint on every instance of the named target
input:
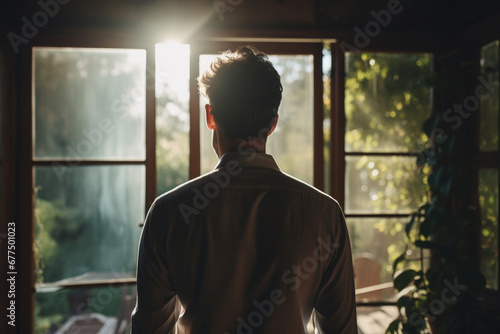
(245, 249)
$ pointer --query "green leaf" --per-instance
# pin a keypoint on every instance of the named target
(398, 260)
(432, 158)
(434, 178)
(404, 279)
(422, 157)
(415, 327)
(393, 327)
(410, 224)
(431, 123)
(423, 208)
(425, 227)
(403, 301)
(420, 283)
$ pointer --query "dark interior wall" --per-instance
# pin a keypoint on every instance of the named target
(164, 14)
(222, 16)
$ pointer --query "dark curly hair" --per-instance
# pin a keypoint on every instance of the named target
(244, 90)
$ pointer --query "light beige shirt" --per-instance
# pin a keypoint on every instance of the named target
(244, 249)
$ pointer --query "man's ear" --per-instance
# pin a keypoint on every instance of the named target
(274, 125)
(210, 117)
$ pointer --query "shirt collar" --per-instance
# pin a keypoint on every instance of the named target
(248, 159)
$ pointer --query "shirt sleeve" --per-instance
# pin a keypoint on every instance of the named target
(335, 307)
(157, 308)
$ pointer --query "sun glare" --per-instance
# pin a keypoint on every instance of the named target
(172, 68)
(171, 42)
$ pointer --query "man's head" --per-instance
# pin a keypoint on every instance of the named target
(244, 92)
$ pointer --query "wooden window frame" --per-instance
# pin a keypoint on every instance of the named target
(338, 154)
(27, 162)
(23, 147)
(8, 174)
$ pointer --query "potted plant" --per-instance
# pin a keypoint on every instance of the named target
(440, 289)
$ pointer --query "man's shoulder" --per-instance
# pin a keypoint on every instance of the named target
(184, 189)
(273, 180)
(301, 186)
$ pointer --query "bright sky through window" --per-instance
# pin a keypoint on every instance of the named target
(172, 70)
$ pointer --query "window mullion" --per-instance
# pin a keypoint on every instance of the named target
(194, 115)
(150, 91)
(337, 116)
(318, 158)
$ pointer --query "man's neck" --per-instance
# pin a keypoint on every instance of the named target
(224, 145)
(241, 146)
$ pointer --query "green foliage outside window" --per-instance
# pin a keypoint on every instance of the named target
(488, 201)
(387, 99)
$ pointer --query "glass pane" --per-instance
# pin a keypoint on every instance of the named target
(291, 144)
(172, 115)
(86, 222)
(97, 310)
(208, 158)
(89, 103)
(376, 243)
(488, 137)
(488, 200)
(387, 100)
(384, 184)
(375, 319)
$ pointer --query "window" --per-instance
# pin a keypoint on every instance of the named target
(387, 99)
(107, 139)
(172, 115)
(89, 161)
(92, 166)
